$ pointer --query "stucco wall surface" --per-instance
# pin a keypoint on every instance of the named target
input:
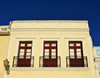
(62, 32)
(4, 40)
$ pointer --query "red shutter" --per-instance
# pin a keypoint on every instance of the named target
(76, 54)
(24, 54)
(50, 54)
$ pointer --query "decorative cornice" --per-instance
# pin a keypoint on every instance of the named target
(47, 33)
(50, 29)
(46, 21)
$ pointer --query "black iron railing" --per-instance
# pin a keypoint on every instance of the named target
(23, 61)
(49, 61)
(76, 61)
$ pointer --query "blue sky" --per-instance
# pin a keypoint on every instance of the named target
(53, 10)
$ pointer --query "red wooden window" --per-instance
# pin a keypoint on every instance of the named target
(24, 54)
(76, 54)
(50, 54)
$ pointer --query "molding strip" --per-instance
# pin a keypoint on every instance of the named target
(9, 47)
(50, 69)
(49, 37)
(25, 37)
(74, 37)
(91, 57)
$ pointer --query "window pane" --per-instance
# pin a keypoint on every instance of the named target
(53, 54)
(28, 54)
(78, 53)
(53, 57)
(53, 44)
(22, 44)
(46, 57)
(71, 53)
(71, 50)
(21, 57)
(21, 53)
(72, 57)
(47, 54)
(78, 50)
(28, 57)
(53, 50)
(46, 50)
(78, 56)
(22, 50)
(78, 44)
(46, 45)
(28, 50)
(71, 44)
(29, 45)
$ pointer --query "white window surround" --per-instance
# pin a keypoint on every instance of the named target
(76, 39)
(53, 39)
(23, 39)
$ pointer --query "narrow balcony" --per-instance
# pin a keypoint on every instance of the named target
(23, 61)
(49, 61)
(76, 61)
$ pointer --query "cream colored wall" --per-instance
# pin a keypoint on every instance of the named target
(4, 40)
(77, 31)
(62, 53)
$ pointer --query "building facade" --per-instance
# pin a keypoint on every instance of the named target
(97, 60)
(50, 49)
(4, 41)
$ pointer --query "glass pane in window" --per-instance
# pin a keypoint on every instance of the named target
(46, 50)
(53, 57)
(78, 50)
(21, 57)
(22, 44)
(71, 50)
(78, 56)
(78, 44)
(28, 57)
(22, 50)
(71, 44)
(46, 53)
(53, 54)
(71, 53)
(28, 50)
(46, 45)
(29, 45)
(21, 53)
(28, 54)
(53, 50)
(53, 44)
(78, 53)
(46, 57)
(72, 57)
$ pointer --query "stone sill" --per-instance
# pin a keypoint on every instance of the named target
(50, 68)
